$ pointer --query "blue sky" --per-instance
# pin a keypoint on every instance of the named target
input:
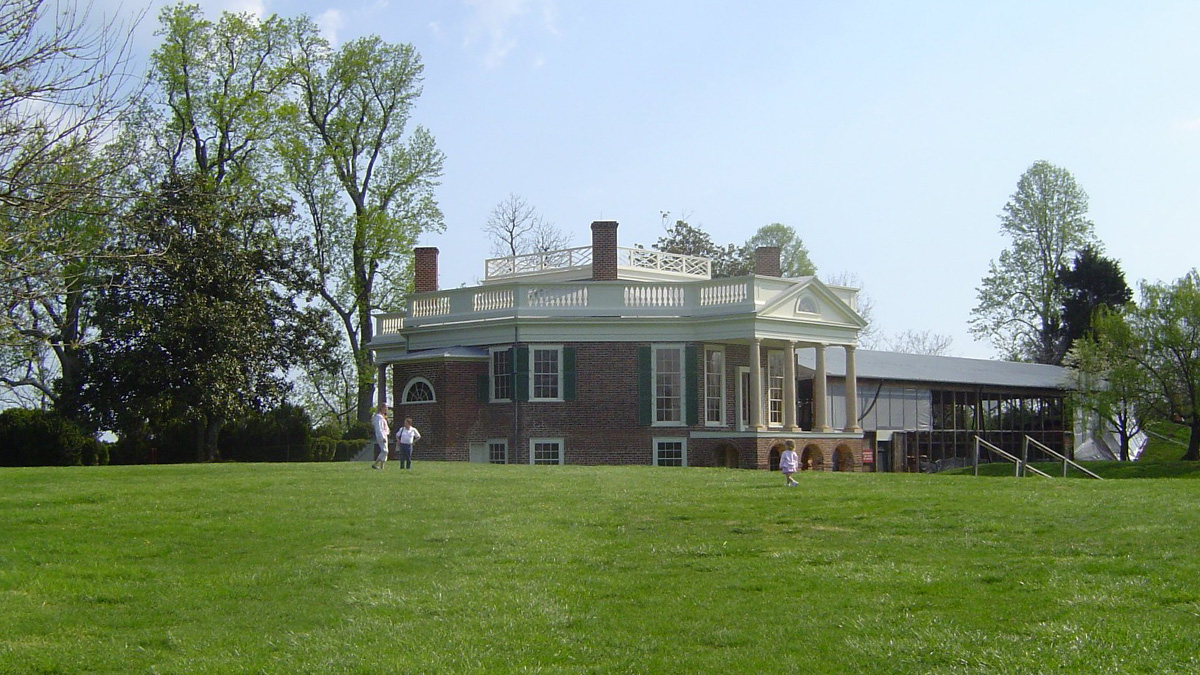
(888, 134)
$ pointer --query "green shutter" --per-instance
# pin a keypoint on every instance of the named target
(521, 373)
(691, 389)
(568, 355)
(645, 387)
(485, 388)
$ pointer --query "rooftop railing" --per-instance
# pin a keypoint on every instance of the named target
(566, 260)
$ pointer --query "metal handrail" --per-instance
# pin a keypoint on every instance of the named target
(1021, 465)
(1065, 461)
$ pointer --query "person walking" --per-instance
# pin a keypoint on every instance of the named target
(405, 437)
(382, 433)
(789, 462)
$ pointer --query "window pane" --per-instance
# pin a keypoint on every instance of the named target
(545, 373)
(669, 453)
(714, 386)
(498, 452)
(502, 375)
(775, 387)
(546, 452)
(668, 384)
(418, 392)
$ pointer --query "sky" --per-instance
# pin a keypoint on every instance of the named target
(889, 135)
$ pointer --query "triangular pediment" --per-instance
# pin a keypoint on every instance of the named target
(809, 299)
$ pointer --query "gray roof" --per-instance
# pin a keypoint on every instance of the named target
(873, 365)
(447, 353)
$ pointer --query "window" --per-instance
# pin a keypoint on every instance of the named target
(497, 450)
(714, 386)
(418, 390)
(670, 452)
(668, 384)
(807, 305)
(775, 388)
(545, 451)
(502, 374)
(546, 373)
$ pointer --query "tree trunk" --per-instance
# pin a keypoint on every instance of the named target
(1193, 451)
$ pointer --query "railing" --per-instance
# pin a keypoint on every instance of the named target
(532, 263)
(724, 296)
(1021, 465)
(1042, 446)
(686, 266)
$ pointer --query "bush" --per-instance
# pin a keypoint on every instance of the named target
(41, 438)
(279, 435)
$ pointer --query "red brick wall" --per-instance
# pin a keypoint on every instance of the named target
(599, 427)
(425, 276)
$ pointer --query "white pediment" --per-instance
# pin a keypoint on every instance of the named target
(808, 299)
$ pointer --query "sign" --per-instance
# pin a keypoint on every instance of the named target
(868, 456)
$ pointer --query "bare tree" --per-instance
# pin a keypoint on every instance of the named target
(510, 225)
(868, 337)
(920, 342)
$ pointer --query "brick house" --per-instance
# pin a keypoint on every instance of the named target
(611, 355)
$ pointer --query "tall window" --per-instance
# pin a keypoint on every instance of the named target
(502, 374)
(545, 451)
(668, 384)
(546, 366)
(714, 386)
(775, 387)
(670, 452)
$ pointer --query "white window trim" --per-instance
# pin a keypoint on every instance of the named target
(409, 386)
(533, 349)
(512, 385)
(682, 440)
(724, 367)
(683, 384)
(562, 449)
(782, 354)
(743, 394)
(496, 441)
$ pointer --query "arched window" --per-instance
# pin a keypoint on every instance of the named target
(807, 305)
(418, 390)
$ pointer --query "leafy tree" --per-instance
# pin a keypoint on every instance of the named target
(1021, 298)
(1092, 282)
(793, 256)
(1109, 384)
(366, 183)
(1165, 345)
(684, 239)
(277, 435)
(196, 330)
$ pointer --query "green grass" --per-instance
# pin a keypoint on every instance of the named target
(457, 568)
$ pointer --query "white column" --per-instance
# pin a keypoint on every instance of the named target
(789, 389)
(756, 385)
(851, 392)
(820, 398)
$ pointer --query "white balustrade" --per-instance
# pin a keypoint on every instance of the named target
(723, 294)
(438, 305)
(557, 296)
(654, 296)
(489, 301)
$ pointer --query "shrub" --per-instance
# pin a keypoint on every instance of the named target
(279, 435)
(41, 438)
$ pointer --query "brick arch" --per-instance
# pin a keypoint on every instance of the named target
(727, 455)
(843, 458)
(812, 457)
(774, 454)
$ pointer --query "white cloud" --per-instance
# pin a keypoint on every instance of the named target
(498, 23)
(331, 21)
(1190, 125)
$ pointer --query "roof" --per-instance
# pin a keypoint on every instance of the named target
(875, 365)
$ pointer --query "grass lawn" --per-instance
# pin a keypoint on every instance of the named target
(458, 568)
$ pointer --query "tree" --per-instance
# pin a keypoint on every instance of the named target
(793, 256)
(366, 184)
(684, 239)
(1092, 282)
(1021, 299)
(196, 329)
(1165, 344)
(870, 336)
(1109, 384)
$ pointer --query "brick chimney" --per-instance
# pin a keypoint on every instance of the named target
(766, 261)
(604, 250)
(425, 277)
